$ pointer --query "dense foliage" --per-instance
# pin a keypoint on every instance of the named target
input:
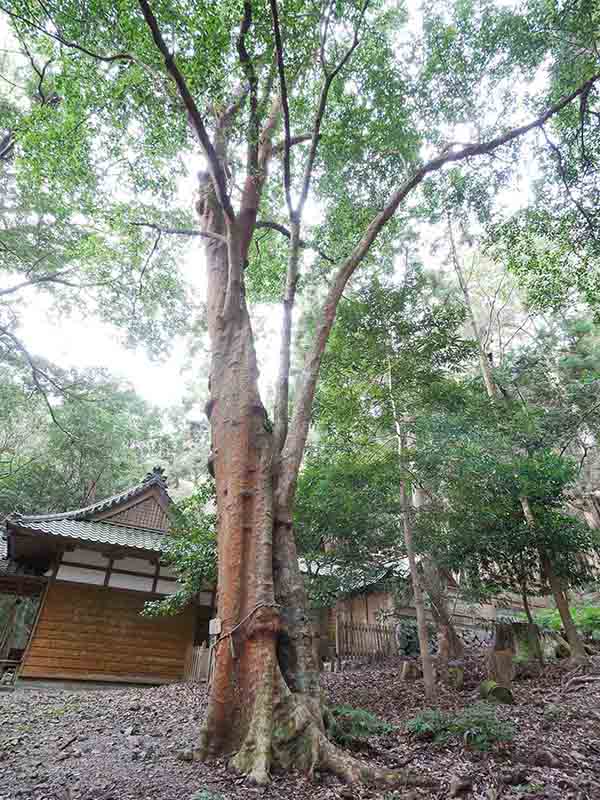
(101, 438)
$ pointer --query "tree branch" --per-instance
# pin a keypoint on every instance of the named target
(280, 146)
(42, 279)
(250, 73)
(217, 173)
(58, 38)
(275, 226)
(295, 215)
(316, 133)
(562, 172)
(36, 372)
(283, 93)
(296, 439)
(181, 231)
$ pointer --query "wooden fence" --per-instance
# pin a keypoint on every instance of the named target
(197, 664)
(356, 640)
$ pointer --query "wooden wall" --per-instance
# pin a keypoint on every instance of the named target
(96, 633)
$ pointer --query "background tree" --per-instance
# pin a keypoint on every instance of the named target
(390, 346)
(64, 237)
(190, 548)
(104, 439)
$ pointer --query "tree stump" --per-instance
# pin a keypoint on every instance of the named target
(490, 690)
(500, 658)
(410, 671)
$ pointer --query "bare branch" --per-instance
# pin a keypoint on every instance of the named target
(316, 134)
(250, 73)
(149, 259)
(58, 38)
(217, 173)
(562, 173)
(296, 439)
(181, 231)
(275, 226)
(283, 92)
(52, 278)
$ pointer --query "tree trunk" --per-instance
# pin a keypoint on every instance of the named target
(500, 657)
(577, 647)
(528, 648)
(405, 510)
(486, 371)
(575, 641)
(427, 662)
(525, 600)
(434, 584)
(264, 709)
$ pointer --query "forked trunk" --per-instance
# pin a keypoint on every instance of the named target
(264, 710)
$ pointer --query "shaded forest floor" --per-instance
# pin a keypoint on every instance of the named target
(123, 744)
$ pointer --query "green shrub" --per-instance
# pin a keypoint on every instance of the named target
(478, 726)
(586, 618)
(349, 725)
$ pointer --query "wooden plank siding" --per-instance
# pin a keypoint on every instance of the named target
(96, 633)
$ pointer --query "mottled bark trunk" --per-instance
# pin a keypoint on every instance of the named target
(264, 709)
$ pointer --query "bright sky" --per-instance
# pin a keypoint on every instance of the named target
(82, 341)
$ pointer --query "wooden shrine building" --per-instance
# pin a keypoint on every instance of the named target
(91, 571)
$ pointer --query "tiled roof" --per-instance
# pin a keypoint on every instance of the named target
(97, 532)
(154, 478)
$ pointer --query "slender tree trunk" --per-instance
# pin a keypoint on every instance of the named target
(575, 642)
(525, 600)
(426, 660)
(484, 364)
(562, 604)
(434, 585)
(405, 506)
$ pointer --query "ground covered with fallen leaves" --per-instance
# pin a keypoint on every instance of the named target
(126, 744)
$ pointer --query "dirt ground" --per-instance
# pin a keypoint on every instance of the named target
(123, 744)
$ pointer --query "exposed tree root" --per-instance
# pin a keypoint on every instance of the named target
(286, 732)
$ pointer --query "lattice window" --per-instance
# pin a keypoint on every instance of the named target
(146, 514)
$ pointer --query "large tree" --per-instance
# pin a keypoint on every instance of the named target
(343, 109)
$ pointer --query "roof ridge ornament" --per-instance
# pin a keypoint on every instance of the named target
(157, 476)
